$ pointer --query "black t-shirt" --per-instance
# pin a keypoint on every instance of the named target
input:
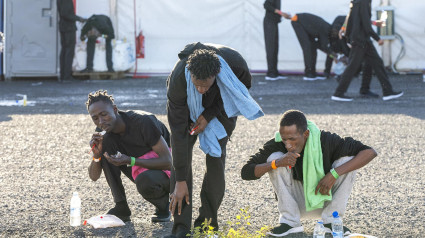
(142, 131)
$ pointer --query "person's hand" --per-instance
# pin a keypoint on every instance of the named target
(82, 37)
(380, 23)
(325, 184)
(180, 192)
(96, 141)
(200, 125)
(380, 42)
(118, 159)
(341, 33)
(289, 159)
(286, 15)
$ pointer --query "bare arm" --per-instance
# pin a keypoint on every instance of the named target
(163, 162)
(361, 159)
(95, 168)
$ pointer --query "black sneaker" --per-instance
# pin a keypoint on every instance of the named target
(284, 229)
(369, 94)
(164, 217)
(179, 234)
(392, 95)
(328, 228)
(341, 98)
(86, 70)
(122, 211)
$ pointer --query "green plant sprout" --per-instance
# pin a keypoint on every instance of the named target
(239, 228)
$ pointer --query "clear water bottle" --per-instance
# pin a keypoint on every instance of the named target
(319, 230)
(337, 227)
(75, 210)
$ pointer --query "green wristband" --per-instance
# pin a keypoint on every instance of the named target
(133, 161)
(334, 173)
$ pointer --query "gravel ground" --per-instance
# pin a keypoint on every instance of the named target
(43, 151)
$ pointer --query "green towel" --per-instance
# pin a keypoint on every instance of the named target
(312, 168)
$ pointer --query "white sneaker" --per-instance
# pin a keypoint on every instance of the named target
(320, 77)
(272, 78)
(282, 77)
(309, 78)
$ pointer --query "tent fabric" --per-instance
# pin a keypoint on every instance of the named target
(169, 25)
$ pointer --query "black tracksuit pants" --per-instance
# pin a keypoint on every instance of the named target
(213, 186)
(67, 53)
(369, 55)
(91, 44)
(153, 185)
(309, 46)
(271, 40)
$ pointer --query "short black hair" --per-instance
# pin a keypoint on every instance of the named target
(294, 117)
(203, 64)
(99, 95)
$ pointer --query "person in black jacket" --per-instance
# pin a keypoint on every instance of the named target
(340, 46)
(313, 33)
(359, 31)
(285, 157)
(202, 62)
(271, 37)
(135, 144)
(96, 26)
(67, 28)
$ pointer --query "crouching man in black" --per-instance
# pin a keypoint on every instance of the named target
(134, 144)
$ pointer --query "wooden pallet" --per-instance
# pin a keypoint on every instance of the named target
(100, 75)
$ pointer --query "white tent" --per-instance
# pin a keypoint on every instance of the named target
(169, 25)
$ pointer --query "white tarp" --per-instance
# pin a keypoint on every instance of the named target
(169, 25)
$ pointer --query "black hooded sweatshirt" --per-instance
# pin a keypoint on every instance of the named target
(177, 108)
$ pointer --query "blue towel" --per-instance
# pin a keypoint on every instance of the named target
(236, 100)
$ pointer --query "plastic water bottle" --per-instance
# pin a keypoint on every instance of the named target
(319, 230)
(75, 210)
(337, 227)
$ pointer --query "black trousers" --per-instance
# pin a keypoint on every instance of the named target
(153, 185)
(369, 55)
(309, 45)
(67, 53)
(271, 40)
(91, 44)
(366, 74)
(213, 186)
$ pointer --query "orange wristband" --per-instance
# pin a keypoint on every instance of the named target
(274, 164)
(343, 28)
(97, 160)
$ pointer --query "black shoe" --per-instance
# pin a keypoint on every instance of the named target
(329, 229)
(121, 210)
(284, 229)
(164, 217)
(341, 98)
(86, 70)
(179, 234)
(369, 94)
(392, 95)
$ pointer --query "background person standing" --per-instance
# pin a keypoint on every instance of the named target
(359, 31)
(67, 28)
(271, 37)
